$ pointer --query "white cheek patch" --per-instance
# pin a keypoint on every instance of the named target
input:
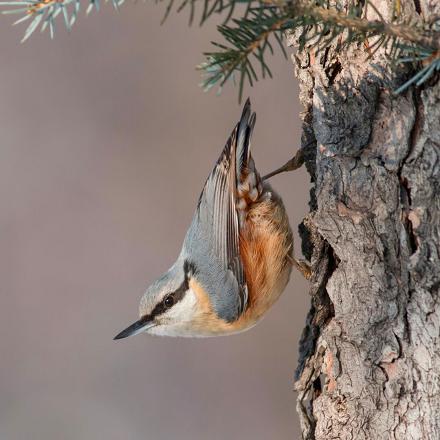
(177, 320)
(184, 309)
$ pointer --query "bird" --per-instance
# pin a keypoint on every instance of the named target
(237, 255)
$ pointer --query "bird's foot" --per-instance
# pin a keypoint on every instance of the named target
(303, 266)
(293, 164)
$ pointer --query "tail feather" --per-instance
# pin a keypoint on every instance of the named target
(244, 129)
(248, 180)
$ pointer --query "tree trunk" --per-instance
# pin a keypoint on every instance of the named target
(369, 363)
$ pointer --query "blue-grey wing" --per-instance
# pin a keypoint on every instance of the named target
(214, 236)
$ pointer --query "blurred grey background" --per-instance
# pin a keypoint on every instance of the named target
(106, 140)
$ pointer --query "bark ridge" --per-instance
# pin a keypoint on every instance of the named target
(370, 352)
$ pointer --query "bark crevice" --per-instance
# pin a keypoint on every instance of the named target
(369, 365)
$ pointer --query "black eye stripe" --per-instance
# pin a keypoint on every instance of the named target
(169, 300)
(189, 268)
(178, 294)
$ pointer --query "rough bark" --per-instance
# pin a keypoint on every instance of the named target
(370, 352)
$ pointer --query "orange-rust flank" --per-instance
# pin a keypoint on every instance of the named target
(266, 246)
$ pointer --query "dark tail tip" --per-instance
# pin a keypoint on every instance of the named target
(244, 133)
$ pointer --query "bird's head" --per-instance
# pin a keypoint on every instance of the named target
(171, 306)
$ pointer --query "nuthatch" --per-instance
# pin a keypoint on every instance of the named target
(237, 255)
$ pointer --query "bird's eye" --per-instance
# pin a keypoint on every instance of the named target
(168, 301)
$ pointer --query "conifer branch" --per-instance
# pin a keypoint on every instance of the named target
(42, 13)
(403, 31)
(249, 37)
(319, 27)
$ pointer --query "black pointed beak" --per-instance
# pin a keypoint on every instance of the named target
(134, 329)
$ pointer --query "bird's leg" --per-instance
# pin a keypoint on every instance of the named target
(293, 164)
(303, 266)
